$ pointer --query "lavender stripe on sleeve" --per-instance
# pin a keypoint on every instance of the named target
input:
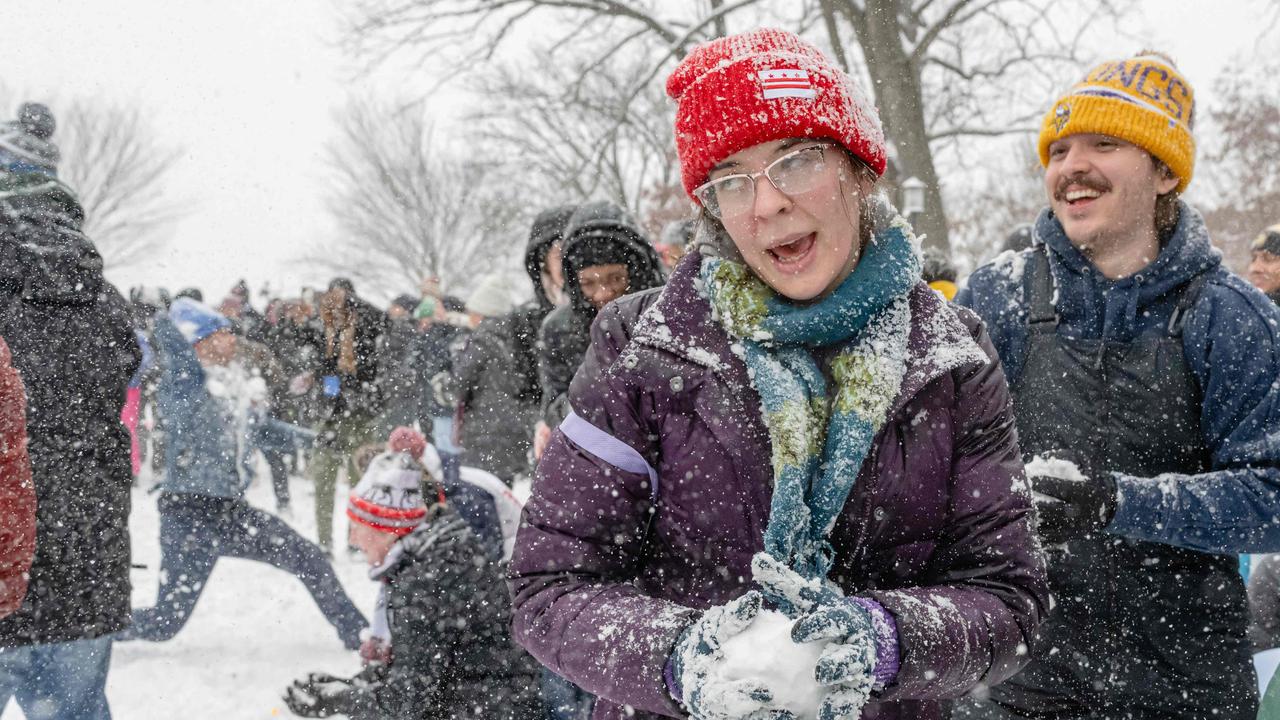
(609, 449)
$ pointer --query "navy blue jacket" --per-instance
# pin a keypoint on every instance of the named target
(1231, 340)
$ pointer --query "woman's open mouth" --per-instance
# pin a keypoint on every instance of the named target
(791, 256)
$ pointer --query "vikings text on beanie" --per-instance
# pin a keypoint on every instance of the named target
(1143, 100)
(389, 495)
(739, 91)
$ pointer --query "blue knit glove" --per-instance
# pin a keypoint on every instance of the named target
(695, 656)
(822, 612)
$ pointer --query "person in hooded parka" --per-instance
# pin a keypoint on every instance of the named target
(606, 255)
(72, 342)
(1144, 376)
(794, 423)
(544, 263)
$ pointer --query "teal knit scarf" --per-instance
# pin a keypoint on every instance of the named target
(820, 438)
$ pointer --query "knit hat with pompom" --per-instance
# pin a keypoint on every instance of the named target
(736, 92)
(25, 144)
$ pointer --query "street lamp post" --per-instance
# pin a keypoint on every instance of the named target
(912, 198)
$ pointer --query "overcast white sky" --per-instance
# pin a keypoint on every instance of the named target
(247, 88)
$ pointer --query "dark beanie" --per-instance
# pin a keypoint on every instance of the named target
(408, 302)
(25, 145)
(1268, 241)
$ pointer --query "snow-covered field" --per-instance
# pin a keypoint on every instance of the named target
(253, 632)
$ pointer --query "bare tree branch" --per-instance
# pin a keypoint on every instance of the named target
(410, 210)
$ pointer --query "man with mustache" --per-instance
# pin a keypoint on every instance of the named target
(1133, 354)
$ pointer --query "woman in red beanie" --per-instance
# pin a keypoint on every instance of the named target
(796, 436)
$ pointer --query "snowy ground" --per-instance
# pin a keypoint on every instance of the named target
(254, 630)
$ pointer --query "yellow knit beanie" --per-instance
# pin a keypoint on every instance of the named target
(1143, 100)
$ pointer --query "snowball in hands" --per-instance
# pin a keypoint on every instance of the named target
(765, 653)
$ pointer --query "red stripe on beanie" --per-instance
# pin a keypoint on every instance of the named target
(385, 512)
(400, 531)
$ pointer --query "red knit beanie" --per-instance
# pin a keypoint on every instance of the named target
(739, 91)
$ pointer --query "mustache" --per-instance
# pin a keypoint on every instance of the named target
(1084, 181)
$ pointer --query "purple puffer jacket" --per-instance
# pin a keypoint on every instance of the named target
(936, 528)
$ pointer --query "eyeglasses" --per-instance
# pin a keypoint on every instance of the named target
(796, 172)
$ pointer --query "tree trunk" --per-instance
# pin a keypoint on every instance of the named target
(721, 27)
(896, 80)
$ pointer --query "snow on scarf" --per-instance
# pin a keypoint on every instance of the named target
(819, 438)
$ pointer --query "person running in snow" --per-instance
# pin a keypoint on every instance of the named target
(1264, 268)
(203, 514)
(443, 617)
(71, 338)
(1132, 352)
(794, 420)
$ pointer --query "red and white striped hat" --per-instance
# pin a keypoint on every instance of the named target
(389, 497)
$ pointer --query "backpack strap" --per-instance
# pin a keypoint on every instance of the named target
(1190, 295)
(1037, 284)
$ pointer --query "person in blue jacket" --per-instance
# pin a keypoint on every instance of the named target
(1134, 354)
(203, 514)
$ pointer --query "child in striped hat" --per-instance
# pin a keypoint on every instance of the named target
(440, 645)
(389, 501)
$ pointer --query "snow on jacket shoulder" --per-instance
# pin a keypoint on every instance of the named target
(17, 493)
(936, 528)
(1231, 340)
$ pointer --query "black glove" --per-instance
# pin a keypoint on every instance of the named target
(320, 695)
(1068, 509)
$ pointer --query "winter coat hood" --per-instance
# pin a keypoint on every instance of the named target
(44, 256)
(548, 229)
(602, 232)
(1185, 254)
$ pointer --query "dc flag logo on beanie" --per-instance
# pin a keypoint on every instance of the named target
(786, 83)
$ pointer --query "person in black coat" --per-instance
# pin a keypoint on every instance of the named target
(72, 339)
(351, 391)
(495, 415)
(544, 262)
(441, 646)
